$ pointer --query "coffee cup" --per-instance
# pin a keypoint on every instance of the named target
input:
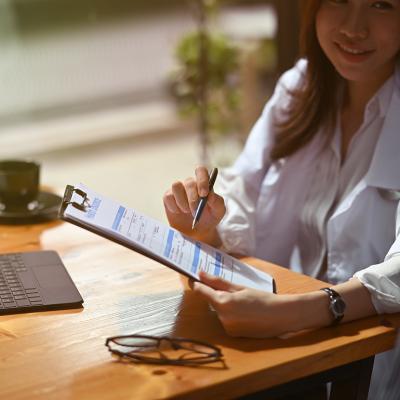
(19, 185)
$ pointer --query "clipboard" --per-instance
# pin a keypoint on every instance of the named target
(105, 217)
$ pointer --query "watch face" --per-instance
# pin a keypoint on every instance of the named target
(338, 306)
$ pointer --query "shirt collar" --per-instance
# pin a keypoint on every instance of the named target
(386, 91)
(378, 105)
(384, 96)
(385, 165)
(380, 101)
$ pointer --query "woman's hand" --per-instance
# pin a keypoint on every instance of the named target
(248, 312)
(181, 201)
(253, 313)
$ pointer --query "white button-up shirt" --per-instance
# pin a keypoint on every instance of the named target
(315, 213)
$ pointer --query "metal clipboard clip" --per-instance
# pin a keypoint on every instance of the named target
(83, 205)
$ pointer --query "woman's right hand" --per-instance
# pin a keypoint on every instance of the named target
(181, 200)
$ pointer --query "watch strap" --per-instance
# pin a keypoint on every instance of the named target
(335, 299)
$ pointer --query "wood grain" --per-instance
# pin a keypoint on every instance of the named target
(61, 354)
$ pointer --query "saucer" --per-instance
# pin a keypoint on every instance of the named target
(46, 209)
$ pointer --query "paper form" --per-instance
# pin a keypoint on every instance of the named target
(159, 241)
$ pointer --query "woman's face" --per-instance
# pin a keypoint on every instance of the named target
(361, 38)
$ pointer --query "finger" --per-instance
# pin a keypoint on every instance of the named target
(191, 282)
(216, 205)
(202, 181)
(191, 194)
(218, 283)
(207, 292)
(181, 200)
(170, 203)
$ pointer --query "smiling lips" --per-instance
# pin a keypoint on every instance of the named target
(353, 54)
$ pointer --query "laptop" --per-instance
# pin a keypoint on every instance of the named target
(35, 281)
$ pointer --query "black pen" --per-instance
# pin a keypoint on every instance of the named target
(203, 200)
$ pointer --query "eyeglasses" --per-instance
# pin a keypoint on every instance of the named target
(163, 350)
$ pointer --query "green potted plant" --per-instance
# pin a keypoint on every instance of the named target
(205, 80)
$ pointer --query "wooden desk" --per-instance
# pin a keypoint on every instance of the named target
(61, 354)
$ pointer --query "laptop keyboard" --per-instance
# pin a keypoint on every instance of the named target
(12, 292)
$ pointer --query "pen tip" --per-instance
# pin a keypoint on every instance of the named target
(194, 224)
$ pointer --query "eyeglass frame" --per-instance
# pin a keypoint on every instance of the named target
(215, 356)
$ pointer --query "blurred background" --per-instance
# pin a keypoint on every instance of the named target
(127, 96)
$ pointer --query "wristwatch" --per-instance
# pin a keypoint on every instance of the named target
(337, 305)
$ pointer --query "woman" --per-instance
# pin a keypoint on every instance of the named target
(317, 186)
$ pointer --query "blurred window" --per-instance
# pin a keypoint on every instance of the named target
(62, 59)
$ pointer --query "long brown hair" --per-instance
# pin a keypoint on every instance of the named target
(315, 102)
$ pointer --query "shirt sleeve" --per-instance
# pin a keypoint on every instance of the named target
(240, 184)
(383, 280)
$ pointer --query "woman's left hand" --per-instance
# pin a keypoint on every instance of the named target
(249, 312)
